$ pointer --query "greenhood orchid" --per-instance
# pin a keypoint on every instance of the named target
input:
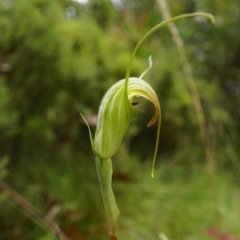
(115, 114)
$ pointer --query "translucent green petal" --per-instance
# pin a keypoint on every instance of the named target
(141, 88)
(114, 117)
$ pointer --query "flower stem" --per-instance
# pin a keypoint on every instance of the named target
(104, 171)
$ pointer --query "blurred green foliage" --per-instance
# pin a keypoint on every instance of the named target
(57, 59)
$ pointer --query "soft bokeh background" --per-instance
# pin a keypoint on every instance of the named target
(57, 59)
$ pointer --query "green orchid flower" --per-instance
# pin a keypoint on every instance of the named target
(115, 114)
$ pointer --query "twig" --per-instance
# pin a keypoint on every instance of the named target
(191, 82)
(32, 211)
(162, 236)
(195, 95)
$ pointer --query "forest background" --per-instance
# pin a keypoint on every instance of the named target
(57, 59)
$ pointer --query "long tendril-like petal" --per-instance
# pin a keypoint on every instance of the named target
(141, 88)
(149, 67)
(152, 30)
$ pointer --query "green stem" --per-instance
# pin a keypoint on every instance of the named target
(152, 30)
(104, 171)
